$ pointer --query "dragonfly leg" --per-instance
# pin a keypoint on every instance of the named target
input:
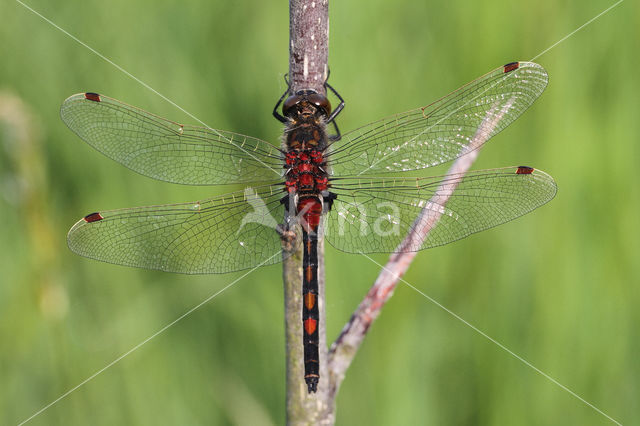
(340, 106)
(337, 136)
(285, 202)
(335, 113)
(290, 211)
(329, 198)
(288, 236)
(276, 113)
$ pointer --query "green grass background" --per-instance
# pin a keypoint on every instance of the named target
(558, 287)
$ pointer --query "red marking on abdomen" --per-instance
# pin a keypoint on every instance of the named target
(92, 96)
(93, 217)
(310, 325)
(524, 170)
(309, 300)
(311, 210)
(511, 66)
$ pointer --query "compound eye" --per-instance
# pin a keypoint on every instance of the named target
(289, 104)
(320, 101)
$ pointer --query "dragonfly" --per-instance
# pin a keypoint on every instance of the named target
(337, 187)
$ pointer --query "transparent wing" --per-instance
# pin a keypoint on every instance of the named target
(373, 215)
(444, 130)
(165, 150)
(223, 234)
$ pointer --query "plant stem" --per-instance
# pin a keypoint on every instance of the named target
(308, 68)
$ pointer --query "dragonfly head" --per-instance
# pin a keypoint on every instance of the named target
(306, 104)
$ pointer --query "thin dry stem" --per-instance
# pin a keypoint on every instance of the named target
(346, 346)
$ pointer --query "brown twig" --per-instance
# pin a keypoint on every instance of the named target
(309, 44)
(346, 345)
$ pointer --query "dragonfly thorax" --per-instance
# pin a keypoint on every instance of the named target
(306, 143)
(306, 172)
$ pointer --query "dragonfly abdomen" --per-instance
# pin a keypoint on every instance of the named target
(310, 210)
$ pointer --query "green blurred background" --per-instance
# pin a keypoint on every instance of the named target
(558, 287)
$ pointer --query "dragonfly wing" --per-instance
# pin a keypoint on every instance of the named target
(373, 215)
(228, 233)
(445, 130)
(165, 150)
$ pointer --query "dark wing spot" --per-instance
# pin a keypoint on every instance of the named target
(511, 66)
(93, 217)
(524, 170)
(92, 96)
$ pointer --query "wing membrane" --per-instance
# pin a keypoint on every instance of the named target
(223, 234)
(444, 130)
(165, 150)
(372, 215)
